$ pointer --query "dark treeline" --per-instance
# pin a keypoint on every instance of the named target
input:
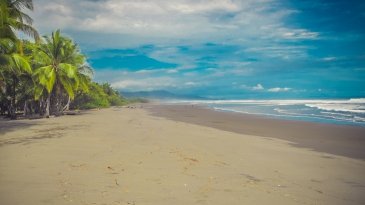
(45, 76)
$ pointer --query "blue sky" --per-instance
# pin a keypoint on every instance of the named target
(219, 48)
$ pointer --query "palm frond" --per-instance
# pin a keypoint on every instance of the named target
(46, 76)
(68, 70)
(86, 70)
(84, 83)
(26, 18)
(21, 63)
(38, 91)
(20, 4)
(67, 84)
(27, 29)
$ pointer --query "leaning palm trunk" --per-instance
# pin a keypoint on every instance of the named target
(28, 108)
(67, 106)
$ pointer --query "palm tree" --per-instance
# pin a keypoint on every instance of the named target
(12, 19)
(61, 71)
(17, 64)
(84, 75)
(12, 62)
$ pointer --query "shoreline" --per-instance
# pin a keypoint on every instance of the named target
(348, 111)
(293, 118)
(343, 140)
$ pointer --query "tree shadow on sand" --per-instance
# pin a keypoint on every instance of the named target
(30, 139)
(50, 132)
(13, 125)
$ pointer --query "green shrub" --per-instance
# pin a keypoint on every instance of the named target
(95, 98)
(101, 96)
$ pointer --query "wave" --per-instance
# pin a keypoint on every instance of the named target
(357, 100)
(347, 107)
(273, 102)
(354, 105)
(336, 113)
(283, 114)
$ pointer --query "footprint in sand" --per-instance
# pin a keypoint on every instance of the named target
(189, 161)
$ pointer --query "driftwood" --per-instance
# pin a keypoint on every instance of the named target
(71, 112)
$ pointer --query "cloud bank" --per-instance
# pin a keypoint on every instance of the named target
(175, 21)
(202, 46)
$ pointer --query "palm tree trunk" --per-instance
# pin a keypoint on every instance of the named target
(58, 99)
(25, 109)
(67, 106)
(48, 105)
(41, 106)
(12, 110)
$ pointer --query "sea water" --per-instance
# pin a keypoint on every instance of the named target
(344, 111)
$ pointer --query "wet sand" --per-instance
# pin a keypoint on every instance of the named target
(128, 156)
(341, 140)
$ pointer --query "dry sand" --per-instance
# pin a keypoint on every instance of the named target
(127, 156)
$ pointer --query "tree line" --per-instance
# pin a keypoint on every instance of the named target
(46, 75)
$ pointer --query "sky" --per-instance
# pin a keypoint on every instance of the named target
(226, 49)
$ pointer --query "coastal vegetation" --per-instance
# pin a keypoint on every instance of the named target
(45, 75)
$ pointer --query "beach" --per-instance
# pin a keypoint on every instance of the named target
(154, 154)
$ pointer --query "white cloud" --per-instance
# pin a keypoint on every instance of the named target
(278, 89)
(300, 34)
(329, 58)
(280, 51)
(146, 80)
(258, 87)
(170, 71)
(152, 83)
(147, 71)
(191, 84)
(230, 71)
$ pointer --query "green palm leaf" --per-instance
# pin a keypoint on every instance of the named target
(68, 86)
(67, 69)
(47, 77)
(21, 63)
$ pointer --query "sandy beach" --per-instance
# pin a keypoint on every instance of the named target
(174, 155)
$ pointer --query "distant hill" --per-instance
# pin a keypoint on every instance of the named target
(159, 94)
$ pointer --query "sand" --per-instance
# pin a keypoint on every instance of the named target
(128, 156)
(344, 140)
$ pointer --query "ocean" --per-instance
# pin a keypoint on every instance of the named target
(344, 111)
